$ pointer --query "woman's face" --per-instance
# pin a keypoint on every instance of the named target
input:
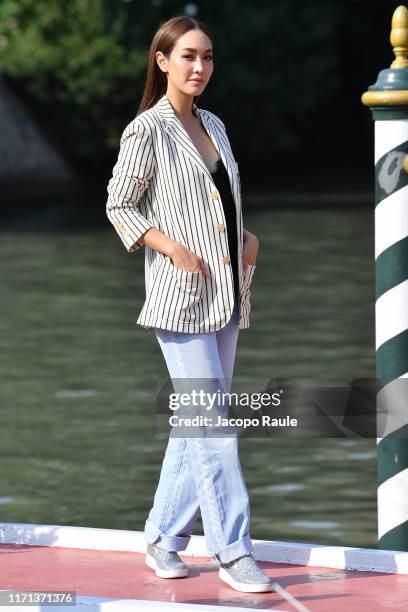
(190, 64)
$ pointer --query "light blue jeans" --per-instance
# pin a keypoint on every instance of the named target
(201, 472)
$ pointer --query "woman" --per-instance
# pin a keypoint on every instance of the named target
(176, 189)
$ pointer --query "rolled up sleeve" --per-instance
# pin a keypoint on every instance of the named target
(130, 179)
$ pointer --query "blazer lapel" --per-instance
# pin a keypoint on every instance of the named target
(175, 129)
(217, 136)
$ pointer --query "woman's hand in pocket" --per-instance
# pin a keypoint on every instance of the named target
(250, 250)
(187, 260)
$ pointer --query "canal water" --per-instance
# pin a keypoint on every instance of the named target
(78, 425)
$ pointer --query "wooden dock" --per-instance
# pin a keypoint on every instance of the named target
(106, 570)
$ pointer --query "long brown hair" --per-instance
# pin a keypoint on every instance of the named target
(164, 40)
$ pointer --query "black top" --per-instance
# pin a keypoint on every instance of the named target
(221, 179)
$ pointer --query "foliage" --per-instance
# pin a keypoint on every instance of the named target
(81, 66)
(74, 65)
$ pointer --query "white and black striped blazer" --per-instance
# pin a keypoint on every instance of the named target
(160, 180)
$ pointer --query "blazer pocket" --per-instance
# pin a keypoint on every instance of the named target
(189, 284)
(248, 276)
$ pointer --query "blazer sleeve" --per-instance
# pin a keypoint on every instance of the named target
(130, 179)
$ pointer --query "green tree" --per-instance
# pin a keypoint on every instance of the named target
(73, 65)
(81, 66)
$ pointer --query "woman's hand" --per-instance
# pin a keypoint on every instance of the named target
(250, 250)
(186, 260)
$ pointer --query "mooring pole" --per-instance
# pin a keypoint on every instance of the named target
(388, 102)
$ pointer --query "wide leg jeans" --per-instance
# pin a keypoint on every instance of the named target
(201, 472)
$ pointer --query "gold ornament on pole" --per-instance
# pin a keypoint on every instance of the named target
(391, 88)
(399, 37)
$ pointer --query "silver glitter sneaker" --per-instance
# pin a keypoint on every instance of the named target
(167, 564)
(243, 574)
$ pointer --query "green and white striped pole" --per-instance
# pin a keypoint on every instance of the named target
(388, 101)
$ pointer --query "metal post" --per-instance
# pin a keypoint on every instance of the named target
(388, 101)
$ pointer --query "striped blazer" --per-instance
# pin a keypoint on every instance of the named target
(160, 180)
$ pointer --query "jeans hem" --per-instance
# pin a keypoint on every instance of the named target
(235, 550)
(153, 535)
